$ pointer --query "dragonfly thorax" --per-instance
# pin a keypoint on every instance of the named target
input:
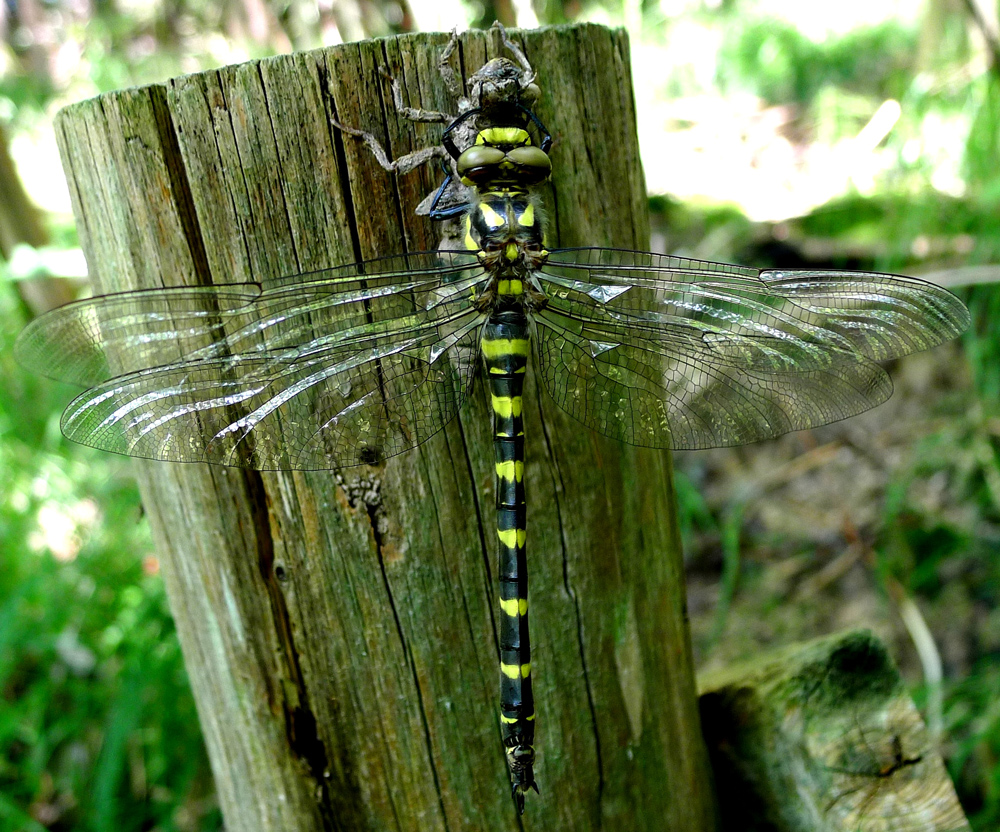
(504, 228)
(504, 224)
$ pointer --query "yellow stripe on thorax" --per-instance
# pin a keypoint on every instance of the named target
(514, 286)
(470, 241)
(491, 217)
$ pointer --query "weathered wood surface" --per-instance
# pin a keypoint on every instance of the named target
(339, 628)
(823, 737)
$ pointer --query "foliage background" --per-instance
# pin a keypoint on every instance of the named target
(847, 135)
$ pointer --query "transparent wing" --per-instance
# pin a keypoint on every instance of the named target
(329, 369)
(93, 340)
(663, 351)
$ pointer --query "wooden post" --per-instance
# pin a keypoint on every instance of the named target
(340, 627)
(823, 737)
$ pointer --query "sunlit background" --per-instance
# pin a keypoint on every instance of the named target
(851, 134)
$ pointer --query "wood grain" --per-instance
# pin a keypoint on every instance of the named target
(339, 627)
(823, 737)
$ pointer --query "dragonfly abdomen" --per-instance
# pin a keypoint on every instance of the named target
(505, 350)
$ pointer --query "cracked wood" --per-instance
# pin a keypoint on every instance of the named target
(339, 628)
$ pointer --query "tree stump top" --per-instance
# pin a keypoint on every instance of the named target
(823, 737)
(339, 628)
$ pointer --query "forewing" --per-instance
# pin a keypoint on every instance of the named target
(318, 371)
(284, 410)
(94, 340)
(667, 352)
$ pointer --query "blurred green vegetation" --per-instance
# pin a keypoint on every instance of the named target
(98, 730)
(938, 522)
(779, 64)
(97, 727)
(943, 551)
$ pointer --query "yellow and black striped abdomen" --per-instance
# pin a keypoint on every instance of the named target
(505, 350)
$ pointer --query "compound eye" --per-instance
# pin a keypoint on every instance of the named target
(479, 162)
(532, 162)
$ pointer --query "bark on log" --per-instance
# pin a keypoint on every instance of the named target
(340, 627)
(823, 737)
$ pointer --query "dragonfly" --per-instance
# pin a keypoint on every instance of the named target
(352, 365)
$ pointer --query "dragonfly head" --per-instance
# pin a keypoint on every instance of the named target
(503, 158)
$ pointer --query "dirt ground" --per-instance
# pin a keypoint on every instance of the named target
(818, 547)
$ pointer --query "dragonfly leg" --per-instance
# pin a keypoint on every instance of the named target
(404, 164)
(528, 74)
(452, 82)
(413, 113)
(411, 161)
